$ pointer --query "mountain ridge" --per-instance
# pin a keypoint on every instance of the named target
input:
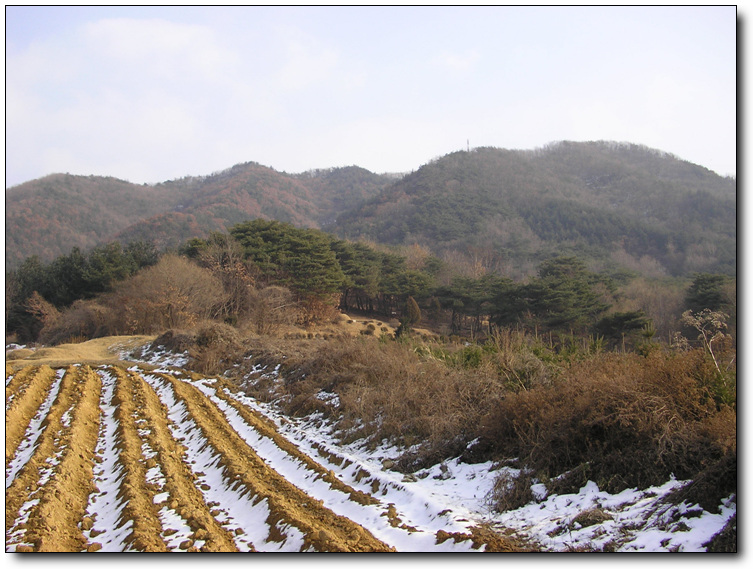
(49, 216)
(617, 204)
(604, 201)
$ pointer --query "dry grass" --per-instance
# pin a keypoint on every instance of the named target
(387, 392)
(618, 419)
(591, 517)
(97, 351)
(622, 420)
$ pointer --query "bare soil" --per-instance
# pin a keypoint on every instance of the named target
(46, 502)
(61, 400)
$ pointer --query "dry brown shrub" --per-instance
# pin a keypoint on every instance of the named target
(218, 334)
(85, 319)
(223, 256)
(632, 420)
(177, 341)
(725, 541)
(270, 309)
(45, 313)
(511, 491)
(174, 293)
(216, 347)
(520, 369)
(715, 483)
(317, 310)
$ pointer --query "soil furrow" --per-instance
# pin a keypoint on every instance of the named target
(137, 494)
(35, 473)
(15, 383)
(23, 397)
(266, 428)
(28, 444)
(104, 509)
(310, 476)
(183, 497)
(287, 503)
(234, 505)
(73, 427)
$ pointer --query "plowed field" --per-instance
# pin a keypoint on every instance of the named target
(115, 458)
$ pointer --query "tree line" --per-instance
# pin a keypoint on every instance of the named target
(319, 274)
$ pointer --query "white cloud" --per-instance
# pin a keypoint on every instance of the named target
(160, 47)
(146, 93)
(306, 60)
(458, 61)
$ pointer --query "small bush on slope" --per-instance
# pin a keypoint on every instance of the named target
(216, 348)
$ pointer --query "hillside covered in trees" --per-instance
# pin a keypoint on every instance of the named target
(621, 206)
(50, 216)
(617, 206)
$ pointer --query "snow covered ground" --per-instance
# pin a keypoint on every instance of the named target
(639, 521)
(455, 496)
(450, 496)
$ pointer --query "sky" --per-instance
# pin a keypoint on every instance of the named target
(149, 94)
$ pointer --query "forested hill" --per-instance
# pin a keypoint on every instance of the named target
(623, 206)
(49, 216)
(618, 206)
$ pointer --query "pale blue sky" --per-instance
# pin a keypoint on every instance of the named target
(149, 94)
